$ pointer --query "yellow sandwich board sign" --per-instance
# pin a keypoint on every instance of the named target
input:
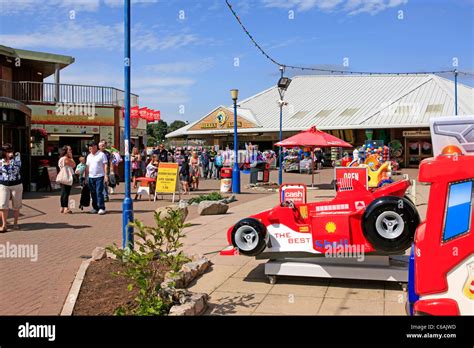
(167, 179)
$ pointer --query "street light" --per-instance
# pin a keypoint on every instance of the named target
(283, 84)
(234, 93)
(127, 206)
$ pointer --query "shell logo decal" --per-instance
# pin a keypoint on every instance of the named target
(330, 227)
(304, 211)
(221, 118)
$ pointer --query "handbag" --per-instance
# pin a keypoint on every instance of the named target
(112, 181)
(65, 175)
(135, 165)
(85, 200)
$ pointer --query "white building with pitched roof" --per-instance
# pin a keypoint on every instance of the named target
(388, 106)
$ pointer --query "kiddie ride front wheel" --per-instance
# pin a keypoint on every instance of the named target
(389, 224)
(248, 236)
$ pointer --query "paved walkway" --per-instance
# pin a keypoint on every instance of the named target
(236, 284)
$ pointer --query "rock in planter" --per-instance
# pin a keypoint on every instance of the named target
(195, 304)
(99, 253)
(164, 210)
(191, 270)
(173, 280)
(212, 208)
(188, 272)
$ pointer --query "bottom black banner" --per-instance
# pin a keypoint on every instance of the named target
(230, 330)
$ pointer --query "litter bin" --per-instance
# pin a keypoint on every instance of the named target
(254, 175)
(226, 179)
(260, 173)
(266, 173)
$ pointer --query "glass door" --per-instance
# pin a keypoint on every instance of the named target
(417, 149)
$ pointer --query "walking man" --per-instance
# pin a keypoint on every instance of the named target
(96, 174)
(204, 160)
(212, 168)
(103, 149)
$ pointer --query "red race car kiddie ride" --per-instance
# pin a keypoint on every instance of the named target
(382, 221)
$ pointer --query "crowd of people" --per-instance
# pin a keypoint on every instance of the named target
(98, 170)
(97, 173)
(194, 164)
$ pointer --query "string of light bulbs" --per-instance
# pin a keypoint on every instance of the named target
(304, 68)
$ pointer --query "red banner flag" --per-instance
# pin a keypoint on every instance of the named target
(133, 112)
(143, 113)
(157, 115)
(149, 116)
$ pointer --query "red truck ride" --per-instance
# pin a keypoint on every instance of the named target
(441, 272)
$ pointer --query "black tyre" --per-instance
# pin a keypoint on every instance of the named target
(408, 197)
(248, 236)
(389, 224)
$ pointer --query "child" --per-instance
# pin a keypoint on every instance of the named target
(152, 171)
(81, 169)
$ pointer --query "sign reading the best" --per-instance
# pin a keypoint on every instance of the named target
(167, 177)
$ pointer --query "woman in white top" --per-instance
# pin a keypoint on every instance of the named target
(66, 161)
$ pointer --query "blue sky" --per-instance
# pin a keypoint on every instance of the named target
(188, 65)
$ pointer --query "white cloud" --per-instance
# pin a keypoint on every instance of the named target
(148, 40)
(160, 81)
(119, 3)
(353, 7)
(83, 35)
(76, 76)
(155, 97)
(8, 7)
(68, 35)
(182, 67)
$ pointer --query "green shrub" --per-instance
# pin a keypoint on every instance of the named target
(213, 196)
(156, 252)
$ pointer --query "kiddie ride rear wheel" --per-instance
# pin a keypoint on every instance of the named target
(389, 224)
(248, 236)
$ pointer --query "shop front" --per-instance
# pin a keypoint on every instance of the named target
(69, 126)
(15, 122)
(217, 129)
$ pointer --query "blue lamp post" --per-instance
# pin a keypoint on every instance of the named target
(127, 206)
(236, 171)
(283, 84)
(456, 92)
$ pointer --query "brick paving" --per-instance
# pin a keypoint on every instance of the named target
(236, 283)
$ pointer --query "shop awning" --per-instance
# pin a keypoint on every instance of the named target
(12, 104)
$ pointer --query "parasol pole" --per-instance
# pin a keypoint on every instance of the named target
(312, 167)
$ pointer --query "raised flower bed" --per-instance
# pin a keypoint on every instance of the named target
(151, 279)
